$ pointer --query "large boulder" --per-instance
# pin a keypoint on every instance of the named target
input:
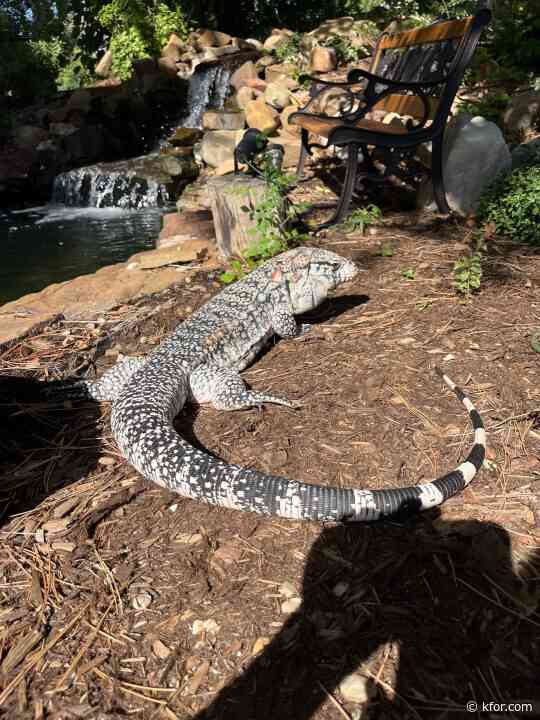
(246, 71)
(523, 112)
(277, 95)
(211, 38)
(218, 146)
(474, 154)
(277, 39)
(526, 154)
(261, 116)
(103, 67)
(223, 120)
(183, 137)
(322, 59)
(279, 71)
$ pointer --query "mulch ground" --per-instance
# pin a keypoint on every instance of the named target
(119, 599)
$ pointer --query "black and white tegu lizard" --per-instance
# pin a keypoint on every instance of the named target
(201, 361)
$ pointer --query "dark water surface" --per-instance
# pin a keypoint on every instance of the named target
(44, 245)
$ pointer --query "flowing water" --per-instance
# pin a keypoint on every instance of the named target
(99, 214)
(50, 244)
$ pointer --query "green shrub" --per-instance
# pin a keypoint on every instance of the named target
(139, 31)
(512, 205)
(491, 106)
(289, 51)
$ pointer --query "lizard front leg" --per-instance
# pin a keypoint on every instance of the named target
(225, 390)
(284, 323)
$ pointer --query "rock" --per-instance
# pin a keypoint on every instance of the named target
(523, 112)
(218, 146)
(212, 38)
(264, 61)
(394, 119)
(175, 40)
(103, 67)
(185, 136)
(322, 59)
(357, 688)
(294, 130)
(79, 100)
(29, 136)
(184, 252)
(168, 66)
(257, 84)
(259, 645)
(197, 224)
(230, 200)
(291, 146)
(525, 154)
(359, 33)
(474, 154)
(255, 44)
(62, 129)
(276, 73)
(186, 151)
(141, 601)
(259, 115)
(144, 66)
(246, 71)
(179, 166)
(244, 96)
(277, 96)
(223, 120)
(291, 605)
(277, 39)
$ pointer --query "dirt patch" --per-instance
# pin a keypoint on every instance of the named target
(120, 599)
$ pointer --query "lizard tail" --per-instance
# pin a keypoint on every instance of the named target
(142, 418)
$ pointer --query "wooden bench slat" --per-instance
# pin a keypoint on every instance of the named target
(324, 126)
(407, 105)
(439, 32)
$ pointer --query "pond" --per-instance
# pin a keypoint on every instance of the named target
(49, 244)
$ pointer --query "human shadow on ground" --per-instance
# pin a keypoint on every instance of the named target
(437, 612)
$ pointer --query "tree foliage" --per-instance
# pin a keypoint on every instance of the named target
(46, 44)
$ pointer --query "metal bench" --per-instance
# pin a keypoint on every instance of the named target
(414, 73)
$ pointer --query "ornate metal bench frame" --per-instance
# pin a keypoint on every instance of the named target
(417, 72)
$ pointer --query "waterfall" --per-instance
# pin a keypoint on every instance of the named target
(207, 89)
(127, 184)
(145, 181)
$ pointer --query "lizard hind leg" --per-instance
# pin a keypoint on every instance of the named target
(225, 390)
(107, 387)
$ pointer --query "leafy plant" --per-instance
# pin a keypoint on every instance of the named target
(491, 106)
(468, 273)
(138, 32)
(386, 249)
(408, 274)
(274, 223)
(362, 218)
(512, 204)
(288, 51)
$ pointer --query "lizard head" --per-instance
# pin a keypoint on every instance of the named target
(311, 274)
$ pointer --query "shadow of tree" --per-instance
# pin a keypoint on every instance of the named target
(44, 444)
(435, 615)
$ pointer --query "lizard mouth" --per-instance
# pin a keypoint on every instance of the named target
(348, 271)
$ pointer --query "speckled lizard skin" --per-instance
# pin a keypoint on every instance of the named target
(201, 361)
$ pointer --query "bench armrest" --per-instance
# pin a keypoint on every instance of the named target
(354, 77)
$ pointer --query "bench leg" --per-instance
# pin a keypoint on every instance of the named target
(303, 153)
(437, 175)
(347, 189)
